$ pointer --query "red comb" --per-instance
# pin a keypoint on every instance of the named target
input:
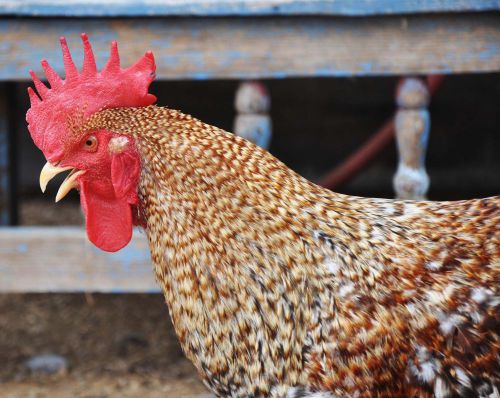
(86, 92)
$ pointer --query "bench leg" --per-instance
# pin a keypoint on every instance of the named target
(252, 121)
(412, 124)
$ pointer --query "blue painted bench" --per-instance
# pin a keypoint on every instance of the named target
(209, 39)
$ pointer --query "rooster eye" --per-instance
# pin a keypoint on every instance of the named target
(90, 143)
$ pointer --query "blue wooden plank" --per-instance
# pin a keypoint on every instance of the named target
(239, 7)
(61, 259)
(277, 47)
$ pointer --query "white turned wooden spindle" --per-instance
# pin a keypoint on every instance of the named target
(412, 124)
(252, 103)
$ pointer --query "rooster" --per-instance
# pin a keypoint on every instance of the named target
(276, 287)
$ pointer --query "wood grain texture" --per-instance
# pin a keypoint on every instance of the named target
(242, 48)
(60, 259)
(237, 7)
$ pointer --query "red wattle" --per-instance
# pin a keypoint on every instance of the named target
(108, 222)
(108, 204)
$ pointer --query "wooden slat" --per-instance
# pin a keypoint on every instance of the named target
(237, 7)
(60, 259)
(193, 48)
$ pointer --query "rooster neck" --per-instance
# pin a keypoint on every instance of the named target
(220, 221)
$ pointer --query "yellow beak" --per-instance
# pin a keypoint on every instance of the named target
(49, 171)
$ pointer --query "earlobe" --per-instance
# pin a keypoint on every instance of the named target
(125, 169)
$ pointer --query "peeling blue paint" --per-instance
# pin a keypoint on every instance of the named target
(201, 75)
(131, 255)
(22, 248)
(280, 74)
(333, 72)
(366, 67)
(489, 52)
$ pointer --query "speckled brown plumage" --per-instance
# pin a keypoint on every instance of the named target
(280, 288)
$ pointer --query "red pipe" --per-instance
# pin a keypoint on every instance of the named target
(371, 148)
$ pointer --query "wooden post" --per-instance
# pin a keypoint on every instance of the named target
(5, 161)
(412, 123)
(252, 121)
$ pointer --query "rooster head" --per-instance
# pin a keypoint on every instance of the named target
(104, 166)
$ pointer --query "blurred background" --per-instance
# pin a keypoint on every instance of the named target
(321, 81)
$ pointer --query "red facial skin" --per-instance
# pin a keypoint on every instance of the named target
(108, 188)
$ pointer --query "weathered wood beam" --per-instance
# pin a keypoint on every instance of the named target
(275, 47)
(238, 7)
(61, 259)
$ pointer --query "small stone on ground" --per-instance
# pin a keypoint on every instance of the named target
(47, 364)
